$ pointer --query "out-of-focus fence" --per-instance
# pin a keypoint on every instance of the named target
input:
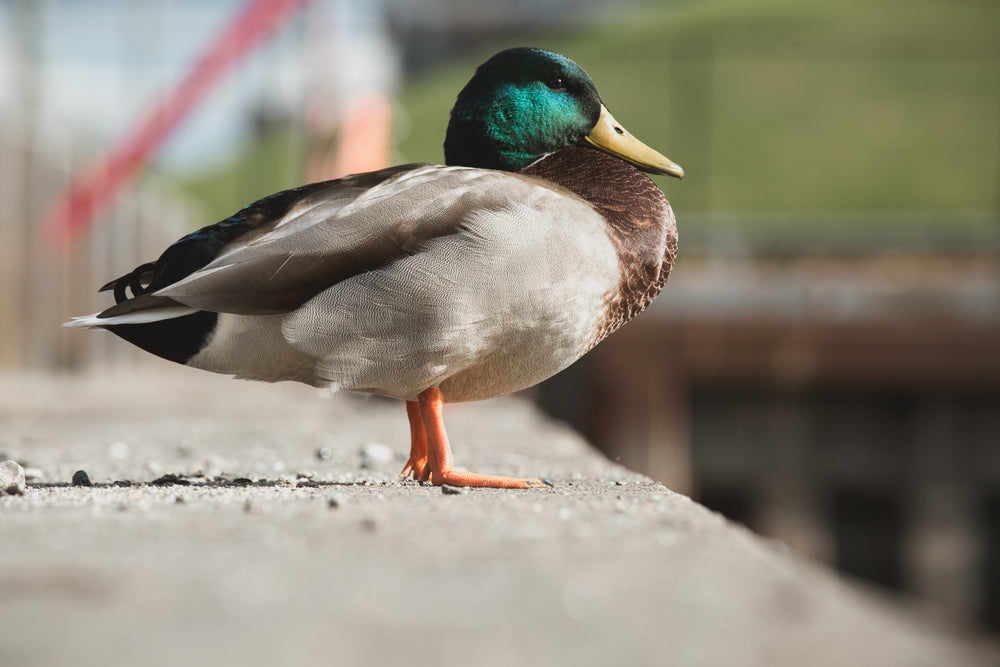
(42, 287)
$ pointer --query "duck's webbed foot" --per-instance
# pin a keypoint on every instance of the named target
(430, 453)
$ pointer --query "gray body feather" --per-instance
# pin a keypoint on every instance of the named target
(478, 282)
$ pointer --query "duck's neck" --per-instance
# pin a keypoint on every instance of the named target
(492, 137)
(482, 152)
(629, 201)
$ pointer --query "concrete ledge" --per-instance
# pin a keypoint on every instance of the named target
(333, 561)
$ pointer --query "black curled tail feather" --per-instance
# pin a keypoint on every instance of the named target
(176, 338)
(138, 280)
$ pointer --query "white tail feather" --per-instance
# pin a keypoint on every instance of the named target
(138, 317)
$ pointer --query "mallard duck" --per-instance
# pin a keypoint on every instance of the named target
(428, 283)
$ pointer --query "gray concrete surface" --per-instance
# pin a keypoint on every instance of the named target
(333, 561)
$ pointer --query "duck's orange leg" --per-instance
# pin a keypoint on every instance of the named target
(418, 445)
(439, 458)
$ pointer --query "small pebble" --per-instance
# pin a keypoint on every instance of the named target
(170, 479)
(12, 478)
(333, 502)
(373, 454)
(287, 480)
(81, 478)
(306, 474)
(324, 453)
(242, 481)
(453, 490)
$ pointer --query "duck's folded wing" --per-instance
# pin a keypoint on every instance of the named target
(330, 236)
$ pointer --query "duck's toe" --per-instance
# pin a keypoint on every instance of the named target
(459, 478)
(416, 466)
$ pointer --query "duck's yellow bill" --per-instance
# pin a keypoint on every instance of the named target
(609, 136)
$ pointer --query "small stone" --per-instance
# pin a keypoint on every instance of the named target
(453, 490)
(324, 453)
(374, 454)
(306, 474)
(125, 483)
(81, 478)
(170, 479)
(179, 500)
(118, 450)
(334, 502)
(242, 481)
(12, 478)
(287, 480)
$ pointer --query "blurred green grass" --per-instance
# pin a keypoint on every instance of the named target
(272, 161)
(801, 107)
(788, 105)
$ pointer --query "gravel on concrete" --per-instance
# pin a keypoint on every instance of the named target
(232, 523)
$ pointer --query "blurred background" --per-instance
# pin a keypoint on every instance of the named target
(824, 364)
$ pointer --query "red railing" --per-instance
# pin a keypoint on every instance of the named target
(73, 212)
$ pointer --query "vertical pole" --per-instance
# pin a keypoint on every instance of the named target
(25, 279)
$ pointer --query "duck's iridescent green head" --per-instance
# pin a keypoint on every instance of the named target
(525, 103)
(520, 105)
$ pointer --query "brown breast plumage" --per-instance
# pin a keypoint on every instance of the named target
(640, 221)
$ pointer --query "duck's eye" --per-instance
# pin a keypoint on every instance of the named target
(556, 83)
